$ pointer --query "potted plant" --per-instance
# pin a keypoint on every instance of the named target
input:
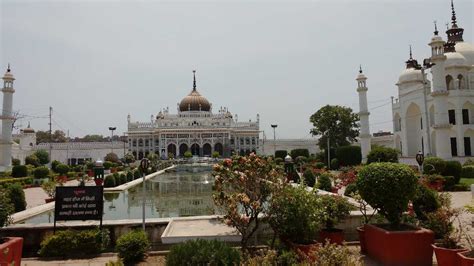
(364, 209)
(50, 188)
(389, 187)
(335, 208)
(296, 215)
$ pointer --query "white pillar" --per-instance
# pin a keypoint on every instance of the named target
(7, 121)
(364, 134)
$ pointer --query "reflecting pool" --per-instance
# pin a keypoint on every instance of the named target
(187, 191)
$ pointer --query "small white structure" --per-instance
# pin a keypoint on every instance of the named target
(7, 121)
(364, 135)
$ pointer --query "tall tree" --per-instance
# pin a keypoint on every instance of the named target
(337, 122)
(56, 136)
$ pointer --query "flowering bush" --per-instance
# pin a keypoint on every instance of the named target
(242, 188)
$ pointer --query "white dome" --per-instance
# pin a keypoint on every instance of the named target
(410, 74)
(455, 59)
(467, 50)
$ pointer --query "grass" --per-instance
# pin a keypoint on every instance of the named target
(467, 181)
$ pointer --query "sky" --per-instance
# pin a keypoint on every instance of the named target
(95, 62)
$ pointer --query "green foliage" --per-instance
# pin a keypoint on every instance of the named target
(388, 187)
(279, 161)
(434, 165)
(109, 181)
(17, 197)
(382, 154)
(136, 174)
(71, 243)
(6, 209)
(280, 154)
(107, 165)
(349, 155)
(41, 172)
(32, 160)
(5, 182)
(334, 164)
(16, 161)
(299, 152)
(468, 171)
(319, 165)
(50, 188)
(468, 162)
(215, 154)
(449, 183)
(296, 214)
(202, 252)
(111, 157)
(117, 179)
(339, 121)
(188, 154)
(43, 156)
(62, 169)
(19, 171)
(336, 209)
(425, 201)
(129, 158)
(453, 168)
(351, 189)
(309, 178)
(301, 159)
(324, 182)
(123, 178)
(333, 254)
(54, 164)
(132, 246)
(129, 176)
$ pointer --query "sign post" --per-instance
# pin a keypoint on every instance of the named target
(144, 163)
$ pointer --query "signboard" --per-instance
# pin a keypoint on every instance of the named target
(79, 203)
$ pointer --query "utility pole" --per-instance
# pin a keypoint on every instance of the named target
(50, 136)
(67, 148)
(274, 126)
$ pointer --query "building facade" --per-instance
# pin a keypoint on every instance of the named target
(436, 116)
(193, 128)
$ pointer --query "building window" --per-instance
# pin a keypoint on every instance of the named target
(241, 141)
(232, 141)
(247, 141)
(452, 117)
(421, 123)
(465, 116)
(454, 147)
(467, 146)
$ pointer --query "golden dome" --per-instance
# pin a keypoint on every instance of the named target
(194, 101)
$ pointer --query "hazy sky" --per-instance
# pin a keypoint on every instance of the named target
(97, 61)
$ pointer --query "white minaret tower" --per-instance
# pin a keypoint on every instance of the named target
(7, 121)
(364, 134)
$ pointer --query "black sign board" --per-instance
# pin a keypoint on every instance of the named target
(79, 203)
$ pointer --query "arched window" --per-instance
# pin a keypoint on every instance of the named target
(461, 82)
(449, 82)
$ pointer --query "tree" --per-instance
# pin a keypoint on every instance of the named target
(341, 123)
(32, 160)
(58, 136)
(43, 156)
(92, 138)
(111, 157)
(129, 158)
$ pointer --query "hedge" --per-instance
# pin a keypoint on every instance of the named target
(17, 197)
(453, 168)
(382, 154)
(21, 180)
(468, 171)
(202, 252)
(19, 171)
(41, 172)
(71, 243)
(281, 154)
(299, 152)
(132, 246)
(434, 165)
(349, 155)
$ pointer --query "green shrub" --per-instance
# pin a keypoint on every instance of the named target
(117, 179)
(111, 157)
(71, 243)
(136, 174)
(324, 182)
(301, 159)
(350, 189)
(109, 181)
(434, 165)
(62, 169)
(388, 187)
(382, 154)
(78, 168)
(299, 152)
(281, 154)
(19, 171)
(278, 160)
(129, 176)
(215, 154)
(17, 197)
(461, 187)
(5, 182)
(54, 164)
(6, 209)
(188, 154)
(425, 201)
(132, 246)
(32, 160)
(319, 165)
(16, 161)
(43, 156)
(309, 178)
(71, 175)
(41, 172)
(202, 252)
(468, 171)
(468, 162)
(336, 209)
(123, 179)
(349, 155)
(449, 182)
(107, 165)
(453, 168)
(334, 164)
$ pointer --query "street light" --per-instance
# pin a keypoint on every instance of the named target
(326, 133)
(112, 137)
(426, 65)
(274, 126)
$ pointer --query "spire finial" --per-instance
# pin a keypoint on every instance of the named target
(453, 17)
(194, 80)
(411, 56)
(436, 28)
(360, 69)
(29, 124)
(8, 68)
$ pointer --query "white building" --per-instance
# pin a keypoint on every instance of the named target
(437, 116)
(194, 128)
(7, 121)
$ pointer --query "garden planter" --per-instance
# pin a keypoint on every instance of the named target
(334, 190)
(335, 236)
(90, 173)
(48, 200)
(466, 258)
(10, 250)
(363, 248)
(447, 256)
(412, 246)
(99, 182)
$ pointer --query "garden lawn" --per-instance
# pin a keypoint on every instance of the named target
(467, 181)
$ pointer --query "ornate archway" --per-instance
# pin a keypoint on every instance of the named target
(182, 149)
(195, 149)
(206, 149)
(219, 148)
(172, 150)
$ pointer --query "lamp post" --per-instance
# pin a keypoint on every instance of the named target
(419, 159)
(144, 164)
(274, 126)
(326, 133)
(426, 65)
(112, 138)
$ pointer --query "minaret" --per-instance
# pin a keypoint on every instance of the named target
(7, 121)
(440, 93)
(364, 134)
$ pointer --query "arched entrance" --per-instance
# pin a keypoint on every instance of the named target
(182, 149)
(195, 149)
(206, 149)
(413, 129)
(140, 155)
(171, 150)
(219, 148)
